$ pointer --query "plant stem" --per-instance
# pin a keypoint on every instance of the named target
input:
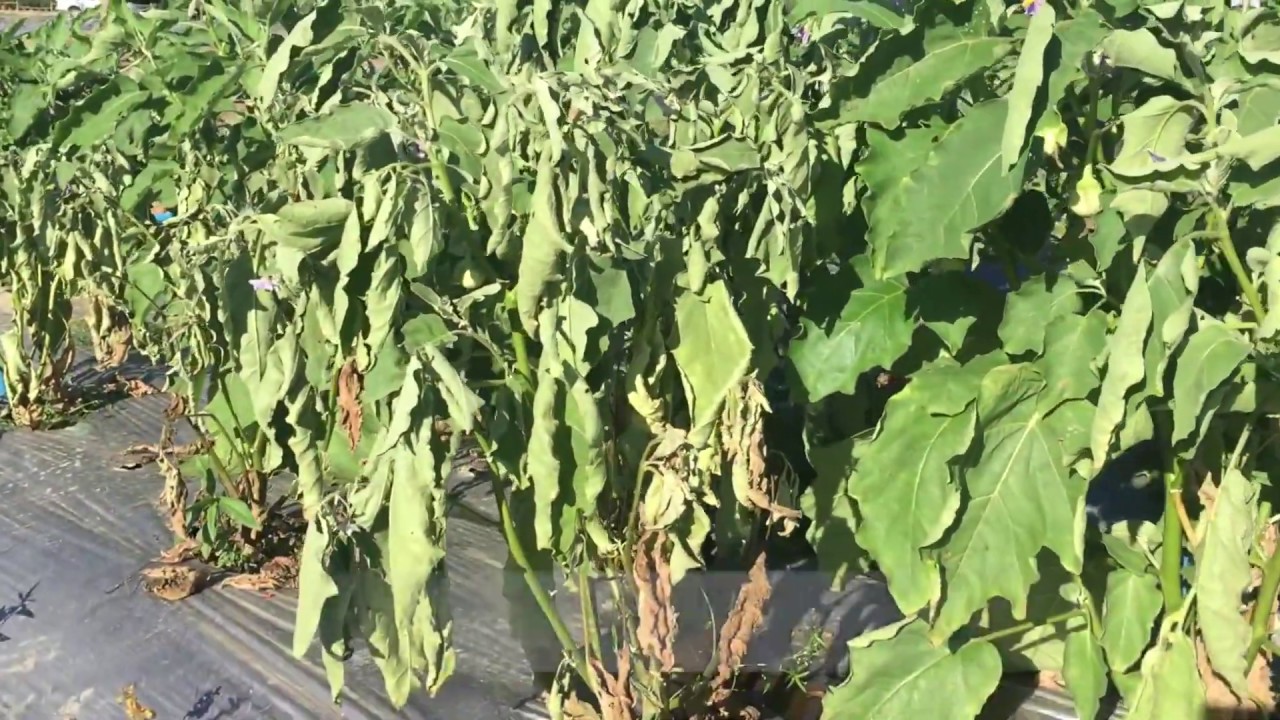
(540, 595)
(1219, 223)
(1171, 545)
(1266, 600)
(1023, 627)
(1091, 122)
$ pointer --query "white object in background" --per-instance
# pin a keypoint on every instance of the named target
(75, 6)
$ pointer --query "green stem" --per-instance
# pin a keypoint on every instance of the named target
(1171, 547)
(1023, 627)
(1219, 222)
(1091, 122)
(540, 594)
(590, 626)
(1261, 618)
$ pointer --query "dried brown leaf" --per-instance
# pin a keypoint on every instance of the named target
(173, 582)
(133, 707)
(1223, 702)
(616, 700)
(740, 627)
(181, 552)
(279, 573)
(656, 629)
(134, 387)
(351, 414)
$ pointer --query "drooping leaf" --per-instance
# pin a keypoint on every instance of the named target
(713, 350)
(1085, 671)
(343, 128)
(1027, 80)
(1211, 355)
(1171, 688)
(1124, 365)
(1223, 574)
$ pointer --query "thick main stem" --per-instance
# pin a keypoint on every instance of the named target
(1171, 545)
(1222, 235)
(1261, 619)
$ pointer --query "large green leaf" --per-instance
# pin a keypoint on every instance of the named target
(949, 57)
(1029, 310)
(961, 186)
(905, 493)
(1021, 497)
(343, 128)
(873, 330)
(908, 676)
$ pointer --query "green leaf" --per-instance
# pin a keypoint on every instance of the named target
(1223, 575)
(905, 493)
(543, 248)
(1256, 150)
(299, 36)
(1085, 671)
(1027, 80)
(880, 13)
(1124, 365)
(1021, 497)
(1129, 610)
(312, 226)
(1171, 688)
(344, 127)
(873, 330)
(962, 186)
(1173, 286)
(713, 351)
(1261, 44)
(949, 58)
(315, 587)
(1154, 134)
(239, 511)
(1140, 50)
(908, 676)
(1211, 355)
(1072, 345)
(1028, 312)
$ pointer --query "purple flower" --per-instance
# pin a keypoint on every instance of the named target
(264, 284)
(1031, 7)
(801, 34)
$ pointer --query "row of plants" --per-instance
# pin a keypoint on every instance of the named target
(711, 286)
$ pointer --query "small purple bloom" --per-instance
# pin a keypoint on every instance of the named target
(264, 284)
(801, 34)
(1031, 7)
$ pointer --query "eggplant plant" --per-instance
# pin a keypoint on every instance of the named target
(883, 285)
